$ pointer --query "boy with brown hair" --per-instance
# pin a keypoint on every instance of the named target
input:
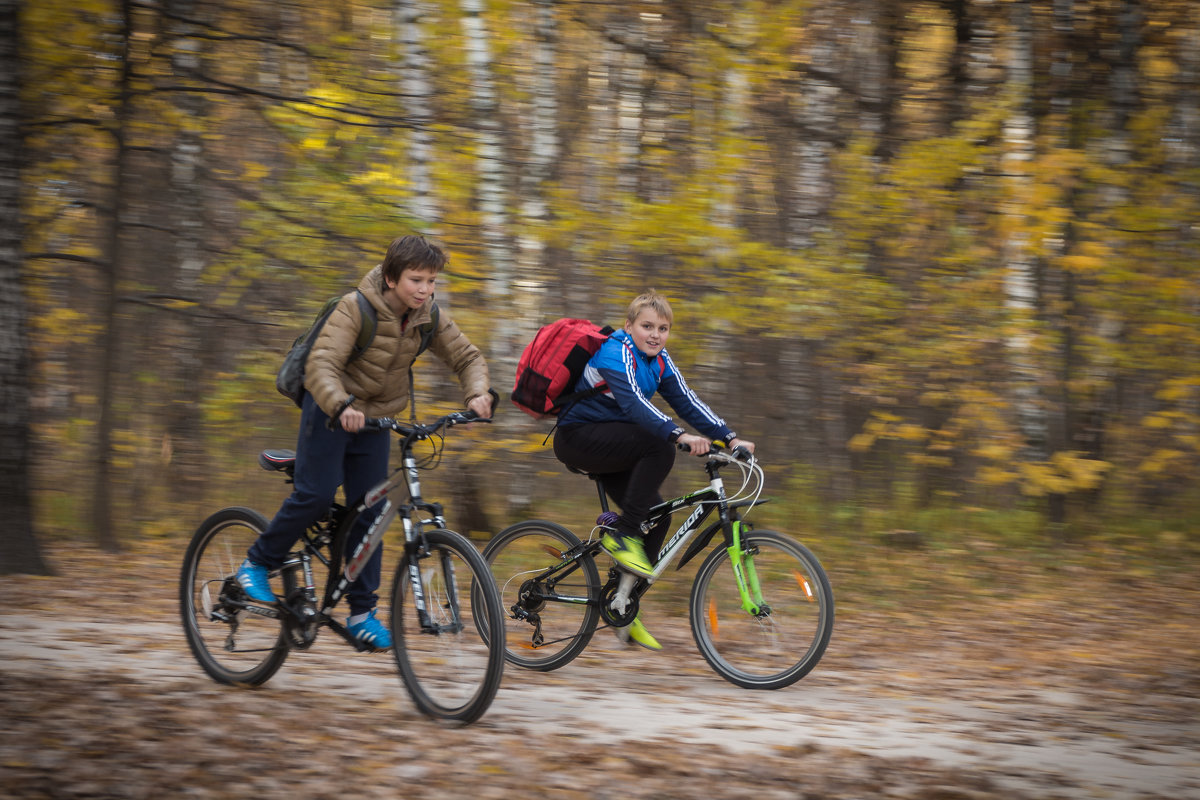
(401, 291)
(620, 436)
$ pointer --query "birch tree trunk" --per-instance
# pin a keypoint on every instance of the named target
(417, 90)
(19, 549)
(629, 75)
(540, 160)
(491, 159)
(1020, 282)
(810, 383)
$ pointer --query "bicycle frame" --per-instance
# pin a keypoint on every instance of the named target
(407, 476)
(704, 501)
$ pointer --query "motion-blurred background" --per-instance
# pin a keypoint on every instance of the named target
(939, 259)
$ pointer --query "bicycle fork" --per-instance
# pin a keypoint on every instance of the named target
(742, 561)
(421, 580)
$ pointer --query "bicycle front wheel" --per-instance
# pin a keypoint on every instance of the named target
(548, 602)
(233, 644)
(786, 638)
(450, 669)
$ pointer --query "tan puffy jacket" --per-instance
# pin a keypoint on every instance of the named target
(378, 378)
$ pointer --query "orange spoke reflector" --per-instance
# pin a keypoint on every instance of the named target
(552, 551)
(712, 616)
(803, 583)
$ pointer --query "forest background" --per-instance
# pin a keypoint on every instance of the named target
(939, 259)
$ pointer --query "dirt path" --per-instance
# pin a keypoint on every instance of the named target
(94, 708)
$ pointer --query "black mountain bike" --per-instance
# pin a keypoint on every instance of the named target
(761, 606)
(442, 647)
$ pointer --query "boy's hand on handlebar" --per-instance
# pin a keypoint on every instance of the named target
(352, 420)
(696, 445)
(482, 406)
(745, 444)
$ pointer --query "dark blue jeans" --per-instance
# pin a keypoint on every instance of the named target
(327, 459)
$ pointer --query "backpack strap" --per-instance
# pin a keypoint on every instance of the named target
(369, 321)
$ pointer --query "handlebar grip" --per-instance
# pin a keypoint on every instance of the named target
(683, 448)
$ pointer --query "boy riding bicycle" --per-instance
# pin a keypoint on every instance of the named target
(401, 290)
(628, 443)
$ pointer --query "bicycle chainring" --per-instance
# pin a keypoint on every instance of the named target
(299, 620)
(609, 614)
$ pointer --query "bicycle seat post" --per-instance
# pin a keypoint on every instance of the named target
(600, 491)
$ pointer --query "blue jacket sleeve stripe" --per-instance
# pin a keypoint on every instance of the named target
(629, 361)
(689, 405)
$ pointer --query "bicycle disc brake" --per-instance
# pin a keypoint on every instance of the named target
(611, 615)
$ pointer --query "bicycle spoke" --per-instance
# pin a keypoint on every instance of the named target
(447, 663)
(541, 631)
(780, 644)
(231, 643)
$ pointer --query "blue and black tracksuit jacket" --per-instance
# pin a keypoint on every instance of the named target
(631, 378)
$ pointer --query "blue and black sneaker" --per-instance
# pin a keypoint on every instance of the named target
(371, 632)
(255, 582)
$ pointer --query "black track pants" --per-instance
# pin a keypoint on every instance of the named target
(631, 463)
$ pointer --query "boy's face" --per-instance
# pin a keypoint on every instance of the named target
(414, 288)
(649, 331)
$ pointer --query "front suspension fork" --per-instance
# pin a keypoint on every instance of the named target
(742, 560)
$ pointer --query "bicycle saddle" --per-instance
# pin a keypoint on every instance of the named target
(277, 460)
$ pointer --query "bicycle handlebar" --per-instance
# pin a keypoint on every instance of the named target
(417, 432)
(738, 453)
(420, 431)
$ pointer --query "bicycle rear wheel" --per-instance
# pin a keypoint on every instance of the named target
(787, 638)
(449, 668)
(540, 633)
(233, 644)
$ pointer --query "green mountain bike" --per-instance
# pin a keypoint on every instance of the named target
(761, 606)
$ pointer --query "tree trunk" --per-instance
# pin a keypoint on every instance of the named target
(1020, 285)
(182, 447)
(490, 161)
(110, 339)
(806, 217)
(19, 549)
(416, 87)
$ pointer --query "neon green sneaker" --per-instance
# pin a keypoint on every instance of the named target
(636, 632)
(628, 552)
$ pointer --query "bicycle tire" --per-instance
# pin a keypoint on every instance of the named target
(525, 549)
(451, 675)
(233, 645)
(776, 649)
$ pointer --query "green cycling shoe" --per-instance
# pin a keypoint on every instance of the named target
(628, 552)
(636, 632)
